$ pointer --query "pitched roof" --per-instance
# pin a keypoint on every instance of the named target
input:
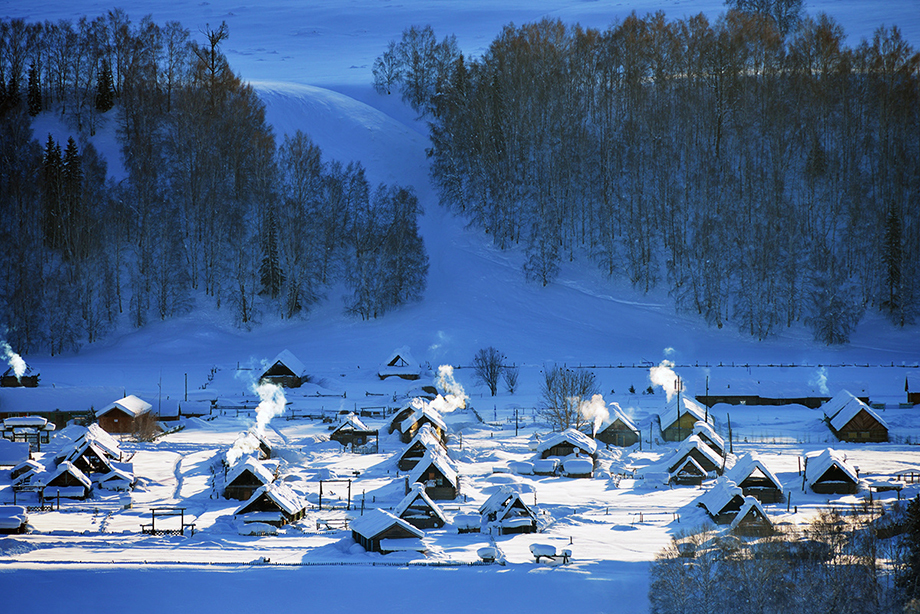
(254, 467)
(350, 422)
(414, 495)
(844, 407)
(818, 463)
(375, 522)
(688, 460)
(719, 496)
(423, 412)
(572, 436)
(67, 467)
(286, 358)
(440, 461)
(400, 362)
(688, 444)
(131, 405)
(281, 494)
(705, 429)
(618, 414)
(684, 405)
(750, 505)
(501, 501)
(748, 464)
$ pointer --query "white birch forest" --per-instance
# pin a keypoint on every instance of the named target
(212, 210)
(765, 178)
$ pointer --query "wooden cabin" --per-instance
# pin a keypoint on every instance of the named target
(425, 439)
(88, 458)
(67, 482)
(621, 431)
(436, 472)
(120, 478)
(708, 435)
(723, 501)
(400, 364)
(694, 447)
(419, 510)
(9, 379)
(351, 431)
(567, 443)
(246, 477)
(688, 473)
(751, 520)
(680, 416)
(507, 513)
(380, 531)
(274, 504)
(852, 420)
(912, 388)
(828, 473)
(127, 415)
(420, 417)
(756, 480)
(285, 371)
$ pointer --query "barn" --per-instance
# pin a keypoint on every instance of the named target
(679, 417)
(756, 479)
(419, 510)
(828, 473)
(246, 477)
(507, 512)
(127, 415)
(438, 475)
(380, 531)
(621, 431)
(852, 420)
(285, 371)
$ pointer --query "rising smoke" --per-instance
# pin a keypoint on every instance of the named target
(664, 376)
(13, 359)
(271, 404)
(454, 396)
(595, 412)
(819, 380)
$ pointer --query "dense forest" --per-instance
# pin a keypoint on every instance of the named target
(757, 167)
(211, 209)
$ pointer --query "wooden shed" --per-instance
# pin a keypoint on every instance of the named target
(568, 442)
(852, 420)
(507, 513)
(245, 478)
(127, 415)
(351, 431)
(751, 520)
(723, 501)
(381, 531)
(756, 480)
(285, 371)
(421, 416)
(688, 473)
(400, 364)
(67, 481)
(828, 473)
(912, 388)
(436, 472)
(708, 435)
(621, 431)
(694, 447)
(424, 440)
(9, 379)
(419, 510)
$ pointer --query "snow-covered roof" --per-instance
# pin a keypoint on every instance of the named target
(350, 422)
(748, 464)
(416, 493)
(688, 444)
(578, 466)
(720, 495)
(688, 460)
(427, 437)
(400, 362)
(685, 405)
(281, 494)
(818, 463)
(572, 436)
(68, 467)
(750, 503)
(250, 464)
(131, 405)
(36, 422)
(501, 501)
(423, 412)
(440, 461)
(844, 407)
(705, 429)
(103, 439)
(117, 478)
(617, 414)
(286, 358)
(375, 522)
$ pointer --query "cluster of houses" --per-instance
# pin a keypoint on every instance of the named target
(90, 459)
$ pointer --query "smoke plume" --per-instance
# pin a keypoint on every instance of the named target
(454, 396)
(664, 376)
(13, 359)
(271, 404)
(819, 380)
(595, 412)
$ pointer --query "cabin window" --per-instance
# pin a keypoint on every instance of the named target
(851, 435)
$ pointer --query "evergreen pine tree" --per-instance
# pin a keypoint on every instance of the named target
(52, 175)
(272, 277)
(72, 200)
(105, 89)
(892, 256)
(34, 96)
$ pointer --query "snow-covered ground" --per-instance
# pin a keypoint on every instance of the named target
(311, 63)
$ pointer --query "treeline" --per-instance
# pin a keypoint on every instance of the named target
(210, 207)
(763, 179)
(858, 561)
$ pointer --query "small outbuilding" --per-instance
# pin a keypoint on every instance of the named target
(507, 513)
(756, 480)
(567, 443)
(425, 414)
(400, 364)
(708, 435)
(694, 447)
(751, 520)
(380, 531)
(688, 473)
(120, 478)
(723, 501)
(13, 519)
(912, 388)
(436, 472)
(285, 371)
(419, 510)
(828, 473)
(621, 431)
(128, 415)
(67, 482)
(425, 439)
(351, 431)
(28, 379)
(679, 417)
(852, 420)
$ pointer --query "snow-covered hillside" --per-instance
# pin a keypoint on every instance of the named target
(311, 63)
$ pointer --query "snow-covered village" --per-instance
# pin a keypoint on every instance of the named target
(373, 352)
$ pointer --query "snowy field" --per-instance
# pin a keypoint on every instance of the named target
(311, 63)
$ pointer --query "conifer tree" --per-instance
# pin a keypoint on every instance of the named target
(34, 96)
(105, 89)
